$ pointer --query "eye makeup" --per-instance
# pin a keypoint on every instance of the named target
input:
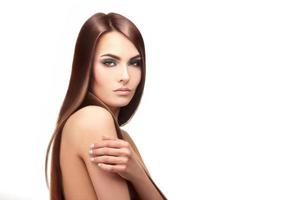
(136, 62)
(111, 62)
(108, 62)
(118, 58)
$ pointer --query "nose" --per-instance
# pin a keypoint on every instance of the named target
(124, 74)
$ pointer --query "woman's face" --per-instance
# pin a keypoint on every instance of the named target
(117, 64)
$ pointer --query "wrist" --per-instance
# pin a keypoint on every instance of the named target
(139, 176)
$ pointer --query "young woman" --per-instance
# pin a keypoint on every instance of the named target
(91, 157)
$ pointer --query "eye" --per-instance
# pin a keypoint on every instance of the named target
(136, 63)
(109, 62)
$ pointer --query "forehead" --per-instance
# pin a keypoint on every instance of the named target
(115, 43)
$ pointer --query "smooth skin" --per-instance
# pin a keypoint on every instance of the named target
(116, 65)
(110, 73)
(116, 155)
(84, 179)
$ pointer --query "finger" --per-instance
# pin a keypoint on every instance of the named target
(110, 151)
(112, 168)
(110, 160)
(110, 143)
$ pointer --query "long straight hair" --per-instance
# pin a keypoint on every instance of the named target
(80, 83)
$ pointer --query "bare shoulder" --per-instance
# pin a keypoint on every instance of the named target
(86, 125)
(87, 116)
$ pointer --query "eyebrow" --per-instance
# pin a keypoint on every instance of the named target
(118, 58)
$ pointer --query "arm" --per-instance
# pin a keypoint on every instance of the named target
(134, 170)
(143, 184)
(130, 140)
(146, 188)
(88, 126)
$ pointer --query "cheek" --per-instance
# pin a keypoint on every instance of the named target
(100, 76)
(138, 76)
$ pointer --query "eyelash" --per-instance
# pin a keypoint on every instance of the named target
(138, 62)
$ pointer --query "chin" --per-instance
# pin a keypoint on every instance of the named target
(121, 103)
(124, 104)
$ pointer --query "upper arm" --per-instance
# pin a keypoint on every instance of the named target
(87, 127)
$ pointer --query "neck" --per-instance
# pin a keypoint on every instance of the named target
(115, 111)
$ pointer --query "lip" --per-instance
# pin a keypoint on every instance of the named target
(123, 89)
(123, 92)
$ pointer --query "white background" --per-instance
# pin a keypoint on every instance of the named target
(219, 118)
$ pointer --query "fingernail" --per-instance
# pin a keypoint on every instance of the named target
(92, 146)
(92, 159)
(91, 151)
(99, 164)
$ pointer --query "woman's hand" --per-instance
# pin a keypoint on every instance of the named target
(116, 155)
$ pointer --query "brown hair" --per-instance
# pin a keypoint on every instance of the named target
(80, 81)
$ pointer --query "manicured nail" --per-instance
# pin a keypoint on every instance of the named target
(92, 158)
(92, 146)
(99, 164)
(91, 151)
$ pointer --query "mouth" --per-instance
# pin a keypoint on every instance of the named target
(122, 89)
(123, 92)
